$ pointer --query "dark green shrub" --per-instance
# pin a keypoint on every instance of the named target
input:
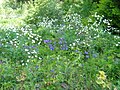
(22, 0)
(83, 8)
(111, 10)
(96, 1)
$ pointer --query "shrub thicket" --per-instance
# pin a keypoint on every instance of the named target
(40, 9)
(111, 10)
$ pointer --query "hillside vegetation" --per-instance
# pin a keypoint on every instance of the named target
(59, 45)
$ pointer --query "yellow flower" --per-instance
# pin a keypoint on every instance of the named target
(102, 72)
(102, 75)
(98, 81)
(101, 80)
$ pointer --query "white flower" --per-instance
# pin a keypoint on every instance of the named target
(40, 58)
(26, 64)
(23, 64)
(117, 45)
(26, 50)
(29, 56)
(28, 60)
(11, 42)
(31, 36)
(39, 43)
(36, 56)
(70, 45)
(36, 38)
(33, 41)
(73, 44)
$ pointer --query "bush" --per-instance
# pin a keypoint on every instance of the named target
(111, 10)
(46, 8)
(11, 4)
(83, 7)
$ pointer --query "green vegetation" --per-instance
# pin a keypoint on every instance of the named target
(111, 10)
(58, 45)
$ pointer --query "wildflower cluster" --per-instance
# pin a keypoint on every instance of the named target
(61, 44)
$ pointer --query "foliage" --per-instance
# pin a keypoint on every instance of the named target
(110, 9)
(11, 3)
(82, 7)
(60, 53)
(56, 10)
(46, 8)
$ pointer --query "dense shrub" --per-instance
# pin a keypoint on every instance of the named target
(82, 7)
(111, 10)
(46, 8)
